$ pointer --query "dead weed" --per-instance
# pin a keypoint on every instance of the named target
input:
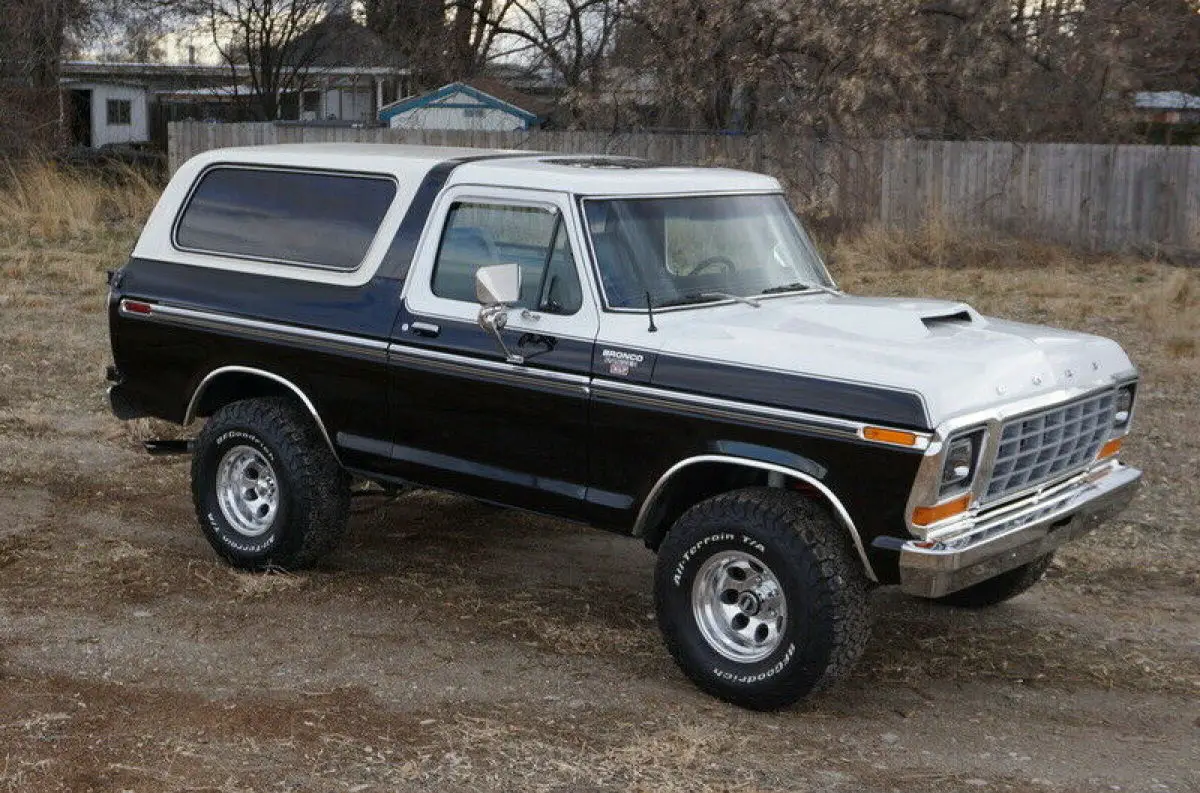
(41, 202)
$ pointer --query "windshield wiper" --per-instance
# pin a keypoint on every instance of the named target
(797, 286)
(727, 296)
(690, 298)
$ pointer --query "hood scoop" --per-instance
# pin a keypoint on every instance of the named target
(936, 320)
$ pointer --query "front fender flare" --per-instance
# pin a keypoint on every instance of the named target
(789, 471)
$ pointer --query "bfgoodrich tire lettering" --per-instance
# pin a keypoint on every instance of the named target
(307, 490)
(784, 538)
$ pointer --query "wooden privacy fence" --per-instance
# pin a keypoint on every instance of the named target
(1093, 196)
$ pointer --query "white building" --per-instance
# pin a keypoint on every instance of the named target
(482, 104)
(108, 112)
(348, 75)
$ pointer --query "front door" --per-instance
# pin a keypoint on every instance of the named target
(468, 418)
(81, 117)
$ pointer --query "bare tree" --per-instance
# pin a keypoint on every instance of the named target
(570, 38)
(441, 40)
(130, 30)
(709, 58)
(33, 37)
(1013, 70)
(265, 43)
(1156, 42)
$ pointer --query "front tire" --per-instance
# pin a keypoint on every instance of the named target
(760, 597)
(267, 490)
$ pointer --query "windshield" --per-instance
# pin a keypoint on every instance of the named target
(699, 249)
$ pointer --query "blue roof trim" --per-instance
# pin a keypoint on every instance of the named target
(430, 100)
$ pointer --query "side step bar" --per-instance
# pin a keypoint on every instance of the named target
(163, 448)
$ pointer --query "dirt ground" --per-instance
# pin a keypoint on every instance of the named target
(451, 646)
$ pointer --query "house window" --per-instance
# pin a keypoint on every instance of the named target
(119, 112)
(473, 112)
(312, 101)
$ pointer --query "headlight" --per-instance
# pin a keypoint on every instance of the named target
(1123, 410)
(962, 459)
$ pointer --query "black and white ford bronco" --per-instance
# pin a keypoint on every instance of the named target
(657, 351)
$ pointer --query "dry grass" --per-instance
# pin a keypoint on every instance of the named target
(1171, 313)
(676, 755)
(1108, 293)
(941, 244)
(45, 203)
(61, 229)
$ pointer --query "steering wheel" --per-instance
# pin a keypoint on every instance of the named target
(724, 262)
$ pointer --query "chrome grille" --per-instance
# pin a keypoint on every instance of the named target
(1043, 446)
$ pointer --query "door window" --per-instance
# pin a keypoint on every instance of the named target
(478, 235)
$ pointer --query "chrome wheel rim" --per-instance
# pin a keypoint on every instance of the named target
(739, 606)
(247, 491)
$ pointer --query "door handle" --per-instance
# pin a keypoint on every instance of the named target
(530, 339)
(427, 329)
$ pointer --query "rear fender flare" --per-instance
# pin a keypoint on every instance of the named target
(214, 375)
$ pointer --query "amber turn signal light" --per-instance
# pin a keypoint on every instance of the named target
(884, 435)
(1111, 448)
(925, 516)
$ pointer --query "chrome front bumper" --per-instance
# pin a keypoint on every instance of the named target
(1001, 539)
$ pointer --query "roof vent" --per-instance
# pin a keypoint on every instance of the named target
(947, 319)
(600, 162)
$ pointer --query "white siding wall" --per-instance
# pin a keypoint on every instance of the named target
(137, 131)
(489, 119)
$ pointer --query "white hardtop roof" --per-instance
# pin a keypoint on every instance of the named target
(380, 157)
(570, 173)
(606, 175)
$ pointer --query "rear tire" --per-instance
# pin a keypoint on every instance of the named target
(1005, 586)
(267, 489)
(761, 599)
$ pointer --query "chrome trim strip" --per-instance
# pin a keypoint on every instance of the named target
(194, 402)
(376, 348)
(830, 425)
(381, 350)
(512, 325)
(639, 525)
(468, 363)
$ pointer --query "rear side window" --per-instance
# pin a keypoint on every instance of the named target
(295, 217)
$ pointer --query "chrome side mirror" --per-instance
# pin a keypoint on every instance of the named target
(497, 287)
(498, 283)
